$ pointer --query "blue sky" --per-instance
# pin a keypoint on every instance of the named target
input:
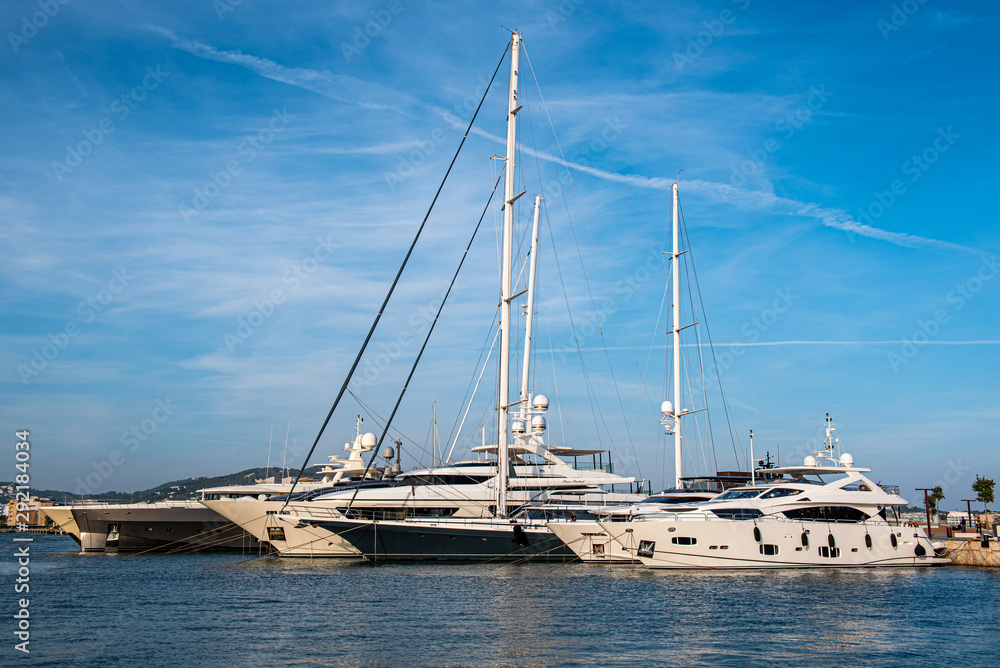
(172, 174)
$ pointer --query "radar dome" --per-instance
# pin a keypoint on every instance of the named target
(809, 461)
(369, 440)
(667, 408)
(540, 402)
(846, 460)
(538, 424)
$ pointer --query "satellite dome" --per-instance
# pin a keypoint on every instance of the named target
(369, 440)
(809, 461)
(538, 424)
(540, 402)
(517, 427)
(846, 460)
(667, 408)
(388, 452)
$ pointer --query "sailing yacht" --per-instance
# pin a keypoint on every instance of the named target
(588, 540)
(505, 510)
(541, 486)
(824, 513)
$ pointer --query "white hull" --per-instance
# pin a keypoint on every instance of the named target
(63, 517)
(722, 543)
(288, 538)
(591, 543)
(292, 538)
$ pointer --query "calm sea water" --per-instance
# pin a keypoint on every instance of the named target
(226, 610)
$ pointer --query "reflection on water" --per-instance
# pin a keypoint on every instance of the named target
(228, 610)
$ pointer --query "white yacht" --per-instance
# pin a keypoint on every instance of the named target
(592, 544)
(587, 538)
(486, 518)
(187, 525)
(824, 513)
(298, 527)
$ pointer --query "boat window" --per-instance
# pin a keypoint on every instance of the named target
(373, 513)
(558, 514)
(827, 514)
(856, 487)
(780, 492)
(739, 494)
(829, 552)
(737, 513)
(684, 540)
(420, 480)
(769, 550)
(674, 499)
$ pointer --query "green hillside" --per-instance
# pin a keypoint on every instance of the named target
(175, 489)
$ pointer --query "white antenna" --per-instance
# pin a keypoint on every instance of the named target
(268, 469)
(435, 457)
(753, 480)
(285, 455)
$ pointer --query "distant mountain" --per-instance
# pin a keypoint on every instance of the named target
(175, 489)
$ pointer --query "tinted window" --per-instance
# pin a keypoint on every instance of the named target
(827, 514)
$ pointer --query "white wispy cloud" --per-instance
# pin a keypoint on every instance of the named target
(887, 342)
(766, 201)
(340, 87)
(351, 90)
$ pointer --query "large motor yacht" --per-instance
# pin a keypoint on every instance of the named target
(187, 525)
(824, 513)
(540, 476)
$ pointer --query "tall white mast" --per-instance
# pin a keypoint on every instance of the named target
(676, 319)
(508, 238)
(529, 314)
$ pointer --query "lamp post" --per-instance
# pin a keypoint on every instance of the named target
(968, 506)
(927, 506)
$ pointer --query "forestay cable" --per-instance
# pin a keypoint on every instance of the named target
(378, 316)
